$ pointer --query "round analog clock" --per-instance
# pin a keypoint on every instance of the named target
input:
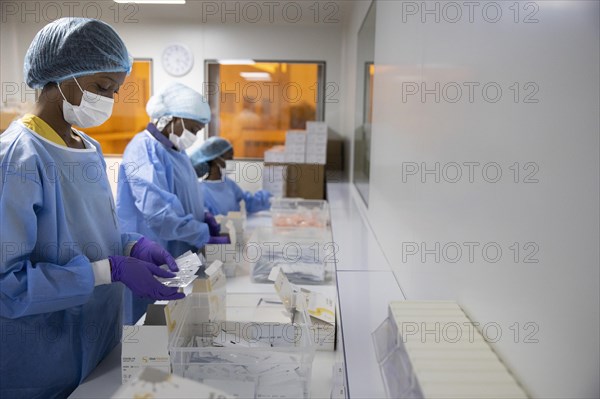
(177, 59)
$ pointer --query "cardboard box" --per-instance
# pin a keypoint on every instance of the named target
(302, 180)
(305, 181)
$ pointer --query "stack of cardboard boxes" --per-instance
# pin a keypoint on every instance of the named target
(298, 169)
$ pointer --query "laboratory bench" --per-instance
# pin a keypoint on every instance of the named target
(365, 285)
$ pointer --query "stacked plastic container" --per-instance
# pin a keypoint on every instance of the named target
(256, 351)
(295, 212)
(305, 255)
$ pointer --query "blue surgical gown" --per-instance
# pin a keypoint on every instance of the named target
(158, 197)
(57, 216)
(222, 197)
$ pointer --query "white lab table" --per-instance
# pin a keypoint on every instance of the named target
(365, 286)
(105, 380)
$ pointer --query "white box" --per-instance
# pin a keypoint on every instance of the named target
(296, 148)
(316, 159)
(145, 345)
(314, 138)
(316, 149)
(319, 127)
(275, 154)
(295, 137)
(291, 157)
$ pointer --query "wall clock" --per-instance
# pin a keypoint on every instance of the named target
(177, 59)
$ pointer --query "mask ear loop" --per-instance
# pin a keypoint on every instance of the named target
(61, 93)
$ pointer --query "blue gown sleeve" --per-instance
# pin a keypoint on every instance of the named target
(28, 288)
(161, 209)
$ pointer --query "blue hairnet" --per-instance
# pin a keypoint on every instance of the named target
(180, 101)
(72, 47)
(212, 148)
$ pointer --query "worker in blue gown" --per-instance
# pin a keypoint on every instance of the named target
(62, 251)
(157, 194)
(221, 194)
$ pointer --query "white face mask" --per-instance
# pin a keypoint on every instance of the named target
(184, 141)
(93, 110)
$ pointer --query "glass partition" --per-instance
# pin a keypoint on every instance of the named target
(365, 72)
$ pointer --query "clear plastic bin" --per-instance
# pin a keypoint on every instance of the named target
(306, 256)
(258, 358)
(295, 212)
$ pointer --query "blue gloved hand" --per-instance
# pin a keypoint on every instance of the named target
(149, 251)
(214, 228)
(138, 275)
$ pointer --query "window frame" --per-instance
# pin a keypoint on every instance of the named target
(214, 101)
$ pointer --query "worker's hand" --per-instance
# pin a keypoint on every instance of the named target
(264, 198)
(138, 275)
(214, 228)
(149, 251)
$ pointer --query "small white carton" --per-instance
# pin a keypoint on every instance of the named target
(295, 137)
(275, 154)
(316, 159)
(319, 307)
(145, 345)
(316, 127)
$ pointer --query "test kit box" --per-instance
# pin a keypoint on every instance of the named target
(319, 308)
(145, 345)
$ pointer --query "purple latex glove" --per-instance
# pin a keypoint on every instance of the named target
(138, 275)
(149, 251)
(214, 228)
(219, 240)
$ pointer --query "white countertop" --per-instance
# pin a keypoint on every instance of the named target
(365, 285)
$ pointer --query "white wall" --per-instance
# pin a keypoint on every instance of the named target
(559, 214)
